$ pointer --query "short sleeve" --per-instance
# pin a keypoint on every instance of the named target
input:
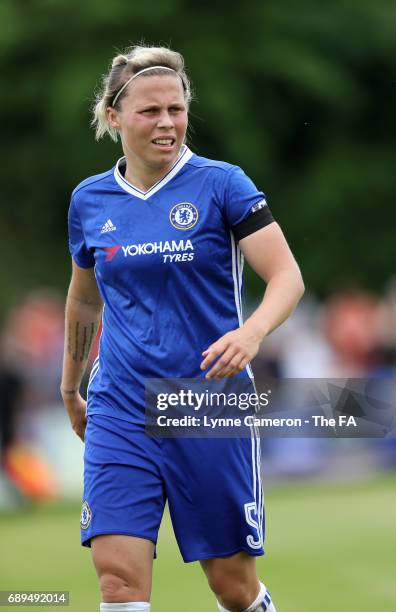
(77, 245)
(246, 207)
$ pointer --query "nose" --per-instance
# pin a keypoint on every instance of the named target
(165, 120)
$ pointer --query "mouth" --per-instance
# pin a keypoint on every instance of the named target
(164, 143)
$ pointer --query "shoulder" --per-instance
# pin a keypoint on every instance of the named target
(93, 183)
(227, 180)
(215, 174)
(222, 175)
(219, 167)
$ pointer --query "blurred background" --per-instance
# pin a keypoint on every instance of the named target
(302, 97)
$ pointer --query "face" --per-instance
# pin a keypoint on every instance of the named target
(152, 121)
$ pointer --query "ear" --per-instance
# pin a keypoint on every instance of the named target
(112, 118)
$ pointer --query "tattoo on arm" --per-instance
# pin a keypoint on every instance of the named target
(76, 334)
(69, 340)
(79, 340)
(84, 346)
(92, 333)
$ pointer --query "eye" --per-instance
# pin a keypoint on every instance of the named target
(152, 110)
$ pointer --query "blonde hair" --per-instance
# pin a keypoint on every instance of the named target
(122, 68)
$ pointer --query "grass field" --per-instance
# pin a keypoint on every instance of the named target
(329, 548)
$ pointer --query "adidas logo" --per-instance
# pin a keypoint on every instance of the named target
(108, 227)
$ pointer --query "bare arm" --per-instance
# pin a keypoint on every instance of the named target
(269, 255)
(83, 311)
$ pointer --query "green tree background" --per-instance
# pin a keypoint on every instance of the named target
(301, 95)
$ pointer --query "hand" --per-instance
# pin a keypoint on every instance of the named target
(233, 352)
(76, 407)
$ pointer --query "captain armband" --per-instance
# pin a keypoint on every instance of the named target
(260, 217)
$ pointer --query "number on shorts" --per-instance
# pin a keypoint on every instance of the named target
(251, 519)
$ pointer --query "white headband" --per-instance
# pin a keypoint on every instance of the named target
(136, 75)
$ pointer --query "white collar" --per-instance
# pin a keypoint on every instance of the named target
(184, 156)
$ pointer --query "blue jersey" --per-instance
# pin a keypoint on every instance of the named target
(168, 268)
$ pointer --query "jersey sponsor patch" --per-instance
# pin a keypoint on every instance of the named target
(111, 251)
(86, 515)
(183, 249)
(183, 216)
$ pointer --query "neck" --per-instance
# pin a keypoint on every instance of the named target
(144, 180)
(142, 176)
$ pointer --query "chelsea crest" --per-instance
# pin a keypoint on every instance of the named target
(86, 515)
(183, 216)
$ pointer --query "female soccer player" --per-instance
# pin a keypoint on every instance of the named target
(159, 240)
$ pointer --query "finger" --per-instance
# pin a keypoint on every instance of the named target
(234, 367)
(236, 355)
(238, 367)
(214, 351)
(241, 366)
(212, 354)
(221, 363)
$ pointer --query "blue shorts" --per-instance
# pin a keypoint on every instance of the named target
(213, 488)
